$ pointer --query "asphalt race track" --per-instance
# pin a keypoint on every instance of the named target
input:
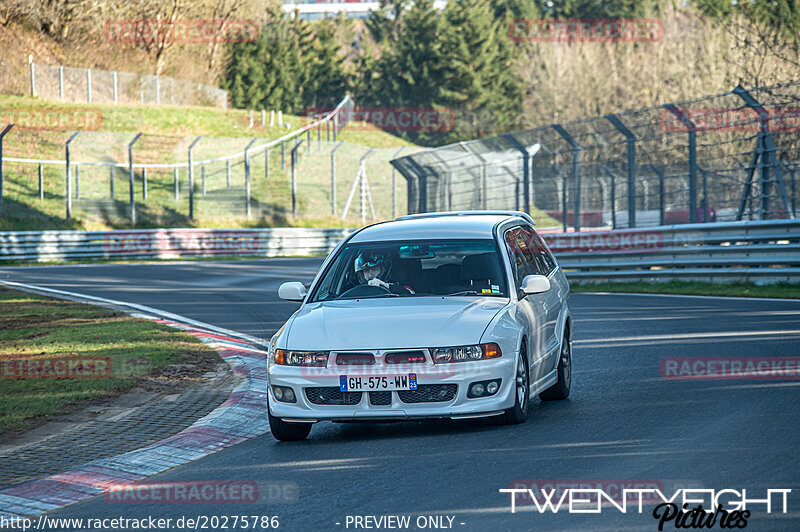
(622, 423)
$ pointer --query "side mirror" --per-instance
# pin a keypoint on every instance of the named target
(292, 291)
(535, 284)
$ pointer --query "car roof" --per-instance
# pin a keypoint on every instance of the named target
(469, 224)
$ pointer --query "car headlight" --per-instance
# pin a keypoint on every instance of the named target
(465, 353)
(284, 357)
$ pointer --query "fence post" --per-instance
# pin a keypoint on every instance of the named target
(89, 85)
(394, 183)
(283, 154)
(319, 137)
(69, 177)
(308, 139)
(41, 183)
(114, 77)
(131, 198)
(33, 76)
(333, 177)
(144, 183)
(77, 182)
(684, 118)
(247, 177)
(576, 173)
(191, 178)
(61, 82)
(631, 142)
(767, 150)
(111, 182)
(2, 179)
(294, 177)
(660, 175)
(203, 178)
(525, 170)
(175, 181)
(327, 131)
(266, 162)
(613, 177)
(228, 173)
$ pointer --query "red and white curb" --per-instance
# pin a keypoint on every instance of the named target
(242, 416)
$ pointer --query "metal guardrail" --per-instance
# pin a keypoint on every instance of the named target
(762, 251)
(55, 246)
(765, 251)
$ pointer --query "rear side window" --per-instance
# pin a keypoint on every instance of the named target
(528, 254)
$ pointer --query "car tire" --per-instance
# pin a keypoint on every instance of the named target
(286, 431)
(519, 412)
(560, 390)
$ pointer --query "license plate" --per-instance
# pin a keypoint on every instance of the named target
(350, 383)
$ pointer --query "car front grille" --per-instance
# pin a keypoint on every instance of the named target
(331, 395)
(429, 393)
(380, 398)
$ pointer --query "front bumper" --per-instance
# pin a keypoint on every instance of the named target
(460, 375)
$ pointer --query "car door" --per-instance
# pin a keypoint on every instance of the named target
(553, 299)
(532, 306)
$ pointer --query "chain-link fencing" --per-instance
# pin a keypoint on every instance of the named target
(87, 85)
(733, 156)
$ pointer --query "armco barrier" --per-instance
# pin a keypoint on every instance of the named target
(44, 246)
(765, 251)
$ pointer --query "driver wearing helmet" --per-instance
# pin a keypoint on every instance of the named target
(374, 268)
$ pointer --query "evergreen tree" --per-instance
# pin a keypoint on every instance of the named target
(480, 74)
(327, 79)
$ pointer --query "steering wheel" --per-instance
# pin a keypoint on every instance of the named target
(364, 290)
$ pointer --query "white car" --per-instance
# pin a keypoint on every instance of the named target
(445, 315)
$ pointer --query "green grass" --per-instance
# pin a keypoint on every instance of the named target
(168, 131)
(39, 328)
(733, 289)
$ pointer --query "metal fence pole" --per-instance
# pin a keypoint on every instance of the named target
(247, 176)
(69, 177)
(526, 171)
(116, 91)
(33, 76)
(283, 155)
(333, 177)
(631, 142)
(576, 173)
(308, 139)
(144, 183)
(613, 177)
(175, 182)
(203, 178)
(319, 137)
(131, 198)
(191, 178)
(2, 178)
(768, 151)
(111, 182)
(685, 119)
(41, 182)
(394, 183)
(228, 173)
(89, 85)
(77, 182)
(327, 131)
(266, 162)
(61, 82)
(294, 177)
(660, 175)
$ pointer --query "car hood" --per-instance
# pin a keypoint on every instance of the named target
(388, 323)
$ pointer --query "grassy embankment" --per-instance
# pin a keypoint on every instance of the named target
(36, 331)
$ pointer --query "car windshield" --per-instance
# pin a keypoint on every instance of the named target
(414, 269)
